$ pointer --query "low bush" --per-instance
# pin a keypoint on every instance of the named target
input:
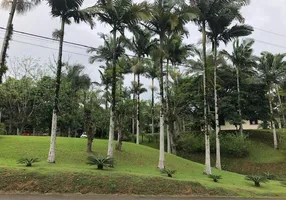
(169, 172)
(100, 162)
(215, 178)
(269, 176)
(256, 179)
(2, 129)
(235, 145)
(28, 161)
(231, 144)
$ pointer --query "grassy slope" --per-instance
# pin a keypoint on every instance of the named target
(134, 161)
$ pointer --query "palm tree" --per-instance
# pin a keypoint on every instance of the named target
(242, 59)
(272, 70)
(219, 30)
(119, 15)
(21, 7)
(208, 10)
(165, 17)
(141, 45)
(177, 52)
(65, 10)
(152, 73)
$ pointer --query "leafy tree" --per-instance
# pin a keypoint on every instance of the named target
(21, 7)
(65, 10)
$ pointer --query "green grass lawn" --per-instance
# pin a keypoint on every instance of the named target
(136, 162)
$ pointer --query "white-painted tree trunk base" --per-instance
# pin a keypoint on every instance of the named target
(275, 137)
(111, 135)
(218, 156)
(208, 170)
(52, 153)
(161, 164)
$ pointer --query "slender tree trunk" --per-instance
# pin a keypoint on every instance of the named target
(119, 138)
(184, 126)
(113, 104)
(52, 153)
(206, 127)
(239, 101)
(217, 128)
(161, 164)
(167, 109)
(69, 132)
(18, 131)
(272, 122)
(89, 142)
(152, 106)
(172, 138)
(134, 103)
(138, 111)
(7, 38)
(280, 106)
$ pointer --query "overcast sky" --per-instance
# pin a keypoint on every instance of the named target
(263, 15)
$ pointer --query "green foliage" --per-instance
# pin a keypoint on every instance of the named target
(2, 129)
(214, 177)
(169, 172)
(235, 145)
(269, 176)
(283, 183)
(256, 179)
(28, 161)
(231, 144)
(100, 161)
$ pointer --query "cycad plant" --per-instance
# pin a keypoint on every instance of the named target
(100, 162)
(256, 179)
(28, 161)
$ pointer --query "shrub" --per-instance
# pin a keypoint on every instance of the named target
(28, 161)
(169, 172)
(100, 161)
(235, 145)
(215, 177)
(256, 179)
(231, 144)
(283, 183)
(269, 176)
(2, 129)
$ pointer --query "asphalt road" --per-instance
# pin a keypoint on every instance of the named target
(107, 197)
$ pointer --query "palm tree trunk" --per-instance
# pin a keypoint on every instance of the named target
(161, 164)
(239, 101)
(7, 38)
(134, 102)
(206, 129)
(52, 153)
(138, 111)
(167, 109)
(280, 107)
(113, 104)
(273, 127)
(217, 128)
(152, 106)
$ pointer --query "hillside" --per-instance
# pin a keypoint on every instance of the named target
(135, 169)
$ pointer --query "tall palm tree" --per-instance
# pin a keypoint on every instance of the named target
(272, 70)
(65, 10)
(207, 10)
(21, 7)
(242, 58)
(141, 45)
(177, 52)
(119, 15)
(220, 29)
(165, 17)
(152, 73)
